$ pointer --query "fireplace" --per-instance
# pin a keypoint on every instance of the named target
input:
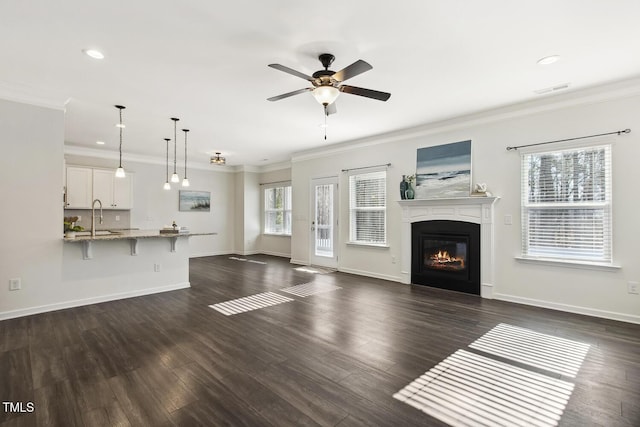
(446, 254)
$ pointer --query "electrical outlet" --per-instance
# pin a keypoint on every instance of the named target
(15, 284)
(633, 288)
(79, 218)
(156, 268)
(117, 217)
(393, 259)
(508, 220)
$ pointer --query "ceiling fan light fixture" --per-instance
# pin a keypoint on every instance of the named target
(217, 159)
(326, 95)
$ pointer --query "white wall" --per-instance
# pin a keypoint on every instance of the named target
(31, 184)
(269, 244)
(595, 292)
(247, 216)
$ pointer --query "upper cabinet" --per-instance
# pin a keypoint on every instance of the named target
(114, 193)
(87, 184)
(79, 188)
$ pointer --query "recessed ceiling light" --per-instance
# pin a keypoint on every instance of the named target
(95, 54)
(100, 142)
(548, 60)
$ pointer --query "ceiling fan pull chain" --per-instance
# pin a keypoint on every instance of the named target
(326, 114)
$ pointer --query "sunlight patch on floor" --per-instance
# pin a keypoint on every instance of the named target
(543, 351)
(467, 389)
(307, 289)
(250, 303)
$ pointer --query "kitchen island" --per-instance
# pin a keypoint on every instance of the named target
(132, 236)
(102, 268)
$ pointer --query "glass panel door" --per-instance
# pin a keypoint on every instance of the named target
(324, 222)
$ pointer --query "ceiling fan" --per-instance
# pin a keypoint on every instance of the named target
(327, 84)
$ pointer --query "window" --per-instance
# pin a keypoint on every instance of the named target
(277, 210)
(566, 204)
(368, 208)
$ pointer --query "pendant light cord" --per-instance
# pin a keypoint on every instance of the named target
(175, 144)
(185, 152)
(167, 139)
(120, 108)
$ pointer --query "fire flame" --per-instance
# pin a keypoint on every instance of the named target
(443, 257)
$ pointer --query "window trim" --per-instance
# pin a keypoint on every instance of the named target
(351, 241)
(265, 187)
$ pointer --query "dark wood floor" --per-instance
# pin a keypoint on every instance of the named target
(330, 359)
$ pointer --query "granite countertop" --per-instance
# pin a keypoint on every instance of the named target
(133, 234)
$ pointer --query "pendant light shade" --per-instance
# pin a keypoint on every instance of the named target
(185, 181)
(175, 177)
(167, 186)
(120, 171)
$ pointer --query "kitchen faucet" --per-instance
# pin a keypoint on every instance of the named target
(93, 216)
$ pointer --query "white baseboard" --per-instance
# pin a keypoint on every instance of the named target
(216, 253)
(299, 262)
(88, 301)
(370, 274)
(623, 317)
(248, 253)
(278, 254)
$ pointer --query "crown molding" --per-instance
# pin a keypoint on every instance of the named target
(592, 95)
(8, 94)
(75, 150)
(275, 166)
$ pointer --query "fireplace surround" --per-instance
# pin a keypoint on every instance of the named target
(473, 210)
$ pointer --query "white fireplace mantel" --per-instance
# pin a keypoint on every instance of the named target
(478, 210)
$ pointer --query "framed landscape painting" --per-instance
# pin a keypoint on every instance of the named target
(195, 201)
(444, 171)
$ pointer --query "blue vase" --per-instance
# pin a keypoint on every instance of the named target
(404, 185)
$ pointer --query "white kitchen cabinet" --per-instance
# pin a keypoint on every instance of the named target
(114, 193)
(79, 187)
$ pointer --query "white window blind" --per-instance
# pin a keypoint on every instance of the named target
(566, 204)
(368, 208)
(277, 210)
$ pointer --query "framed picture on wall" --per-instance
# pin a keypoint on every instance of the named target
(194, 201)
(444, 171)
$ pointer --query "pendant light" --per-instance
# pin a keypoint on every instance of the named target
(185, 181)
(167, 186)
(175, 177)
(120, 171)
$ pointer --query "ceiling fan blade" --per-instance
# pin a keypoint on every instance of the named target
(368, 93)
(352, 70)
(288, 94)
(331, 108)
(291, 71)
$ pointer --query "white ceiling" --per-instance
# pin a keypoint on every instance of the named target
(205, 61)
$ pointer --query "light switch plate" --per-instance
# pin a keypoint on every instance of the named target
(15, 284)
(508, 220)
